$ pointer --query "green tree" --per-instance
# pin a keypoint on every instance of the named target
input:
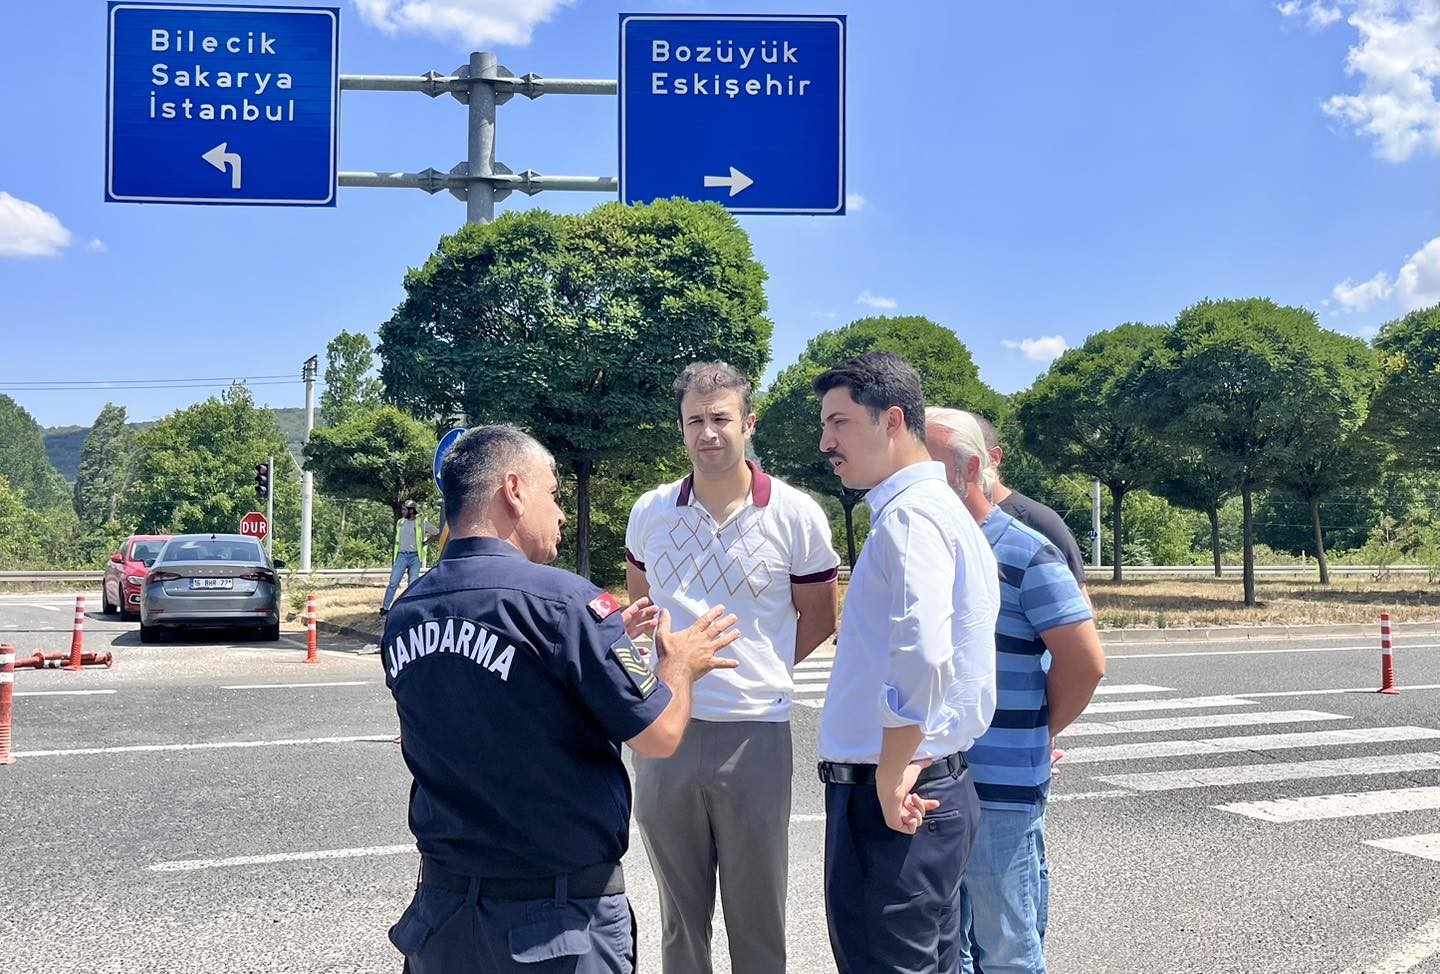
(1240, 380)
(104, 470)
(23, 460)
(194, 470)
(1405, 414)
(575, 327)
(1076, 420)
(24, 540)
(787, 434)
(1186, 478)
(350, 383)
(378, 454)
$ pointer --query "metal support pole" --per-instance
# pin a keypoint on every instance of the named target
(1095, 558)
(270, 511)
(307, 479)
(479, 193)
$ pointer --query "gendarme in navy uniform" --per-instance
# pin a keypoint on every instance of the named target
(515, 684)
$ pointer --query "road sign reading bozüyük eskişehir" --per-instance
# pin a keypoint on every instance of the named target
(211, 103)
(747, 111)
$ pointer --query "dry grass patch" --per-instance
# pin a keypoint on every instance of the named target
(1188, 603)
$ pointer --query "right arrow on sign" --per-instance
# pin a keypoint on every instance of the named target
(220, 158)
(737, 181)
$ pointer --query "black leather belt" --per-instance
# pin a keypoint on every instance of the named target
(833, 773)
(592, 881)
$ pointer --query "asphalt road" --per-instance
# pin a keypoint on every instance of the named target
(194, 809)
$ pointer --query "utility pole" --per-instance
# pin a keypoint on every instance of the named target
(1095, 523)
(307, 479)
(270, 509)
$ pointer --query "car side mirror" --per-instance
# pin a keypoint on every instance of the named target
(279, 564)
(117, 559)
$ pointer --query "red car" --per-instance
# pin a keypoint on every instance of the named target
(125, 574)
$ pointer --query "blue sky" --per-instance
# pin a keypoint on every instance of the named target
(1026, 174)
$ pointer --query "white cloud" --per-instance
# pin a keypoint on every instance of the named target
(1365, 295)
(96, 246)
(28, 231)
(1418, 283)
(1045, 349)
(1397, 62)
(829, 315)
(854, 202)
(475, 23)
(877, 302)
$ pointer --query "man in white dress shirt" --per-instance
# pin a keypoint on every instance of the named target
(913, 683)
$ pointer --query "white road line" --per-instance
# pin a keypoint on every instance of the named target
(1165, 703)
(1077, 796)
(290, 686)
(188, 865)
(1423, 944)
(60, 693)
(1197, 721)
(1105, 688)
(1245, 774)
(812, 704)
(212, 746)
(1369, 647)
(1320, 693)
(1423, 846)
(47, 608)
(1318, 807)
(1253, 742)
(813, 676)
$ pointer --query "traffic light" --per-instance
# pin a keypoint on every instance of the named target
(262, 481)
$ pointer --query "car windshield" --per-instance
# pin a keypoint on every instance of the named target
(219, 549)
(145, 550)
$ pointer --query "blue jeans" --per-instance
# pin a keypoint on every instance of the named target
(406, 563)
(1005, 896)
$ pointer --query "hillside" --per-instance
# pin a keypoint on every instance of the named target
(64, 443)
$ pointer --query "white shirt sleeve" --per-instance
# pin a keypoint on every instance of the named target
(919, 562)
(811, 551)
(635, 533)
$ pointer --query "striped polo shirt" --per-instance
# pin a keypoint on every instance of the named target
(1010, 762)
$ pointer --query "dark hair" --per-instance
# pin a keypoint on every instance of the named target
(877, 381)
(475, 465)
(707, 377)
(992, 437)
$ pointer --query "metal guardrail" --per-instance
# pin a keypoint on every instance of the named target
(1099, 574)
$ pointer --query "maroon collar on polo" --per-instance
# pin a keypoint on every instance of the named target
(759, 487)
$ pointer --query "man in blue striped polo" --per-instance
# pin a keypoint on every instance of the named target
(1048, 661)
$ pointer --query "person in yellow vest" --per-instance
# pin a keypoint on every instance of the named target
(411, 533)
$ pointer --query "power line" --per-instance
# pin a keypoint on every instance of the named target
(195, 378)
(103, 387)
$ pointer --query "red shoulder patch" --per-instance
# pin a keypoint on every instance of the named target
(603, 606)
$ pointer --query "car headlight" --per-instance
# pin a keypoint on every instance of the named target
(135, 579)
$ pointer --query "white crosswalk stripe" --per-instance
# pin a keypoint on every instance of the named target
(1165, 703)
(1106, 689)
(1316, 807)
(1198, 721)
(1423, 846)
(1244, 774)
(1249, 742)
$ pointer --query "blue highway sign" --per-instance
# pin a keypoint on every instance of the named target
(214, 103)
(747, 111)
(446, 442)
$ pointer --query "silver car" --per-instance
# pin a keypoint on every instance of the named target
(211, 580)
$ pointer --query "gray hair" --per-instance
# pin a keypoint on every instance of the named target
(479, 461)
(964, 438)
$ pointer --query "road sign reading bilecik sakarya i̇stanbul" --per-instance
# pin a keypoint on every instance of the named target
(211, 103)
(747, 111)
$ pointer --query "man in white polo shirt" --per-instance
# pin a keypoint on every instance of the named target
(728, 533)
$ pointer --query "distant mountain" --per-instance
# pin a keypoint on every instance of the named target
(64, 443)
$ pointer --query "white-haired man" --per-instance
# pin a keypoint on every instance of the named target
(1048, 663)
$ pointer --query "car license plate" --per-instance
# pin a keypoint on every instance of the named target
(212, 583)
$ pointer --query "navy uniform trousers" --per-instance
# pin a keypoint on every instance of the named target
(892, 899)
(449, 931)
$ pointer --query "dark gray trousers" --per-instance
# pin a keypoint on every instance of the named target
(720, 804)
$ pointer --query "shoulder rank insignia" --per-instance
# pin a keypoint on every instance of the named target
(633, 662)
(603, 606)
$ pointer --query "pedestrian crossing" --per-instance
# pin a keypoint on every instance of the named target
(1328, 745)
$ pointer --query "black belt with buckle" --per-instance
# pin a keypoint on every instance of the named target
(592, 881)
(834, 773)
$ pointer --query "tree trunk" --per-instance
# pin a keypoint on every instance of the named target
(583, 469)
(848, 501)
(1319, 541)
(1249, 569)
(1214, 513)
(340, 534)
(1117, 524)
